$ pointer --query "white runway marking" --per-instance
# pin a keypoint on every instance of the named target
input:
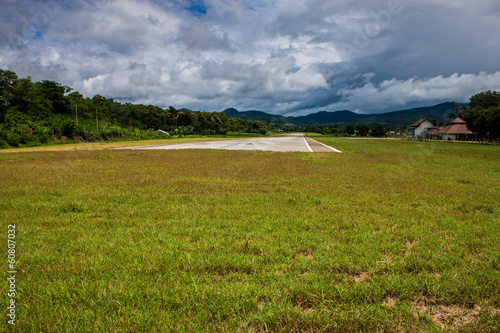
(327, 146)
(308, 147)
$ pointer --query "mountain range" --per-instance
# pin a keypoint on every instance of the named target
(394, 120)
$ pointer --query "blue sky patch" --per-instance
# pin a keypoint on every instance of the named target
(198, 8)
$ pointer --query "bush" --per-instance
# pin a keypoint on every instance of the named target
(3, 135)
(32, 144)
(223, 131)
(13, 140)
(69, 129)
(44, 137)
(25, 138)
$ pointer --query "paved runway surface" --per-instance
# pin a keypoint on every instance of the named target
(292, 142)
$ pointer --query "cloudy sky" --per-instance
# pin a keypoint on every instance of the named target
(290, 57)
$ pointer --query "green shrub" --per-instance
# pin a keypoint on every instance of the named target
(223, 131)
(3, 135)
(44, 137)
(70, 129)
(32, 144)
(24, 138)
(13, 140)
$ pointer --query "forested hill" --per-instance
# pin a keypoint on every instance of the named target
(395, 120)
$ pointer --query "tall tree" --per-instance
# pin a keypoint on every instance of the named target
(457, 110)
(363, 130)
(8, 80)
(186, 118)
(54, 92)
(378, 130)
(484, 100)
(349, 129)
(153, 118)
(483, 116)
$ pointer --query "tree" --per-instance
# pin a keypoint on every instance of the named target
(54, 92)
(171, 120)
(256, 124)
(457, 110)
(76, 98)
(492, 115)
(378, 130)
(349, 129)
(484, 100)
(363, 130)
(485, 122)
(186, 118)
(153, 117)
(8, 80)
(173, 110)
(483, 116)
(28, 102)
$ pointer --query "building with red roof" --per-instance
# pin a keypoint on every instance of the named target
(434, 132)
(457, 130)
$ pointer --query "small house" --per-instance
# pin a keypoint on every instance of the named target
(419, 128)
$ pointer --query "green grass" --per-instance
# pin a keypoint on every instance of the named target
(389, 236)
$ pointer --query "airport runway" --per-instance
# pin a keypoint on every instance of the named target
(293, 142)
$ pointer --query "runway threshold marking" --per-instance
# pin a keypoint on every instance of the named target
(307, 145)
(327, 146)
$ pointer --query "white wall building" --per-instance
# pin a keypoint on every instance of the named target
(420, 127)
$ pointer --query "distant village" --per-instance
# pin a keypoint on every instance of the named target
(456, 131)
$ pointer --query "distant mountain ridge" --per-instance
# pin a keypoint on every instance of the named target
(395, 120)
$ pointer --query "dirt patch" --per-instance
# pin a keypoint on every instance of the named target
(446, 316)
(390, 302)
(307, 253)
(410, 244)
(360, 277)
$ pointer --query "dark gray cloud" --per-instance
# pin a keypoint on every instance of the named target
(200, 37)
(280, 56)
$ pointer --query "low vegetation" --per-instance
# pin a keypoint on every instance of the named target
(391, 235)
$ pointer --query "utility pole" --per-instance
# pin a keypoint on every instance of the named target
(96, 119)
(76, 111)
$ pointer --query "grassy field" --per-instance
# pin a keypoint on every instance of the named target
(390, 236)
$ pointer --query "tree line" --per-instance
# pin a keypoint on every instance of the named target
(348, 130)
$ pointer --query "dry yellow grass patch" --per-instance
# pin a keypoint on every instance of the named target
(390, 302)
(446, 316)
(360, 277)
